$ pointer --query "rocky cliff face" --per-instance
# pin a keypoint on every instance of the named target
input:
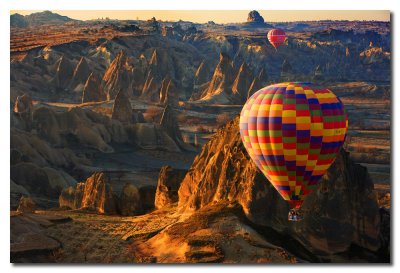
(23, 109)
(230, 83)
(254, 87)
(95, 194)
(122, 109)
(26, 205)
(160, 73)
(76, 126)
(202, 74)
(169, 123)
(169, 181)
(151, 87)
(63, 74)
(93, 91)
(118, 76)
(254, 16)
(168, 93)
(254, 19)
(243, 82)
(23, 105)
(263, 77)
(221, 83)
(129, 201)
(340, 214)
(80, 76)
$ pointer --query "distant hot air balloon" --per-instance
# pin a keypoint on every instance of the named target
(276, 37)
(293, 131)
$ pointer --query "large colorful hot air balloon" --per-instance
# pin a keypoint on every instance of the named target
(293, 131)
(276, 37)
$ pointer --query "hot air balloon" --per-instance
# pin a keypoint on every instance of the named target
(293, 132)
(276, 37)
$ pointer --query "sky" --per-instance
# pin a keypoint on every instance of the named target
(222, 16)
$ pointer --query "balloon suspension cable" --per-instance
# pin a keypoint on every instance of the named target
(295, 215)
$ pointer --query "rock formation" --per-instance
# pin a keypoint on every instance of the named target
(318, 71)
(80, 76)
(122, 109)
(147, 196)
(71, 197)
(138, 79)
(26, 205)
(22, 116)
(222, 80)
(95, 194)
(88, 128)
(63, 74)
(263, 77)
(151, 87)
(286, 70)
(254, 87)
(341, 212)
(168, 93)
(23, 105)
(118, 76)
(170, 125)
(243, 82)
(374, 55)
(169, 181)
(255, 20)
(29, 240)
(130, 201)
(202, 74)
(254, 16)
(259, 82)
(160, 68)
(34, 179)
(161, 64)
(93, 91)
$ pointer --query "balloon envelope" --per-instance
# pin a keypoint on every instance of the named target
(293, 132)
(276, 37)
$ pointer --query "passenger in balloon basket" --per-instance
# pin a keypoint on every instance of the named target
(295, 215)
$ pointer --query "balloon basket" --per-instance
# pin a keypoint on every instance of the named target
(295, 215)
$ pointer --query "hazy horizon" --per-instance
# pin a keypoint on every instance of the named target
(222, 16)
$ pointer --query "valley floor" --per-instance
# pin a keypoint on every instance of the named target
(162, 236)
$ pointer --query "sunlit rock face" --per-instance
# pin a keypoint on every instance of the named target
(95, 194)
(169, 181)
(339, 213)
